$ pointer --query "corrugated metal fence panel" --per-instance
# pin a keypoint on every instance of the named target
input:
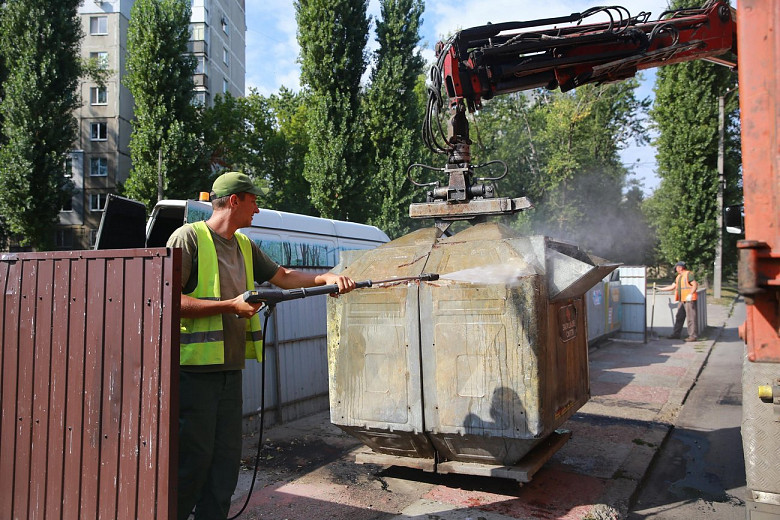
(633, 291)
(87, 384)
(296, 379)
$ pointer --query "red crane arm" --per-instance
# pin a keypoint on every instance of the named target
(481, 62)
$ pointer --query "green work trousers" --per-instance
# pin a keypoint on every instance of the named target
(210, 414)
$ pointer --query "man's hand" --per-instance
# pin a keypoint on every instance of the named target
(689, 298)
(345, 283)
(244, 309)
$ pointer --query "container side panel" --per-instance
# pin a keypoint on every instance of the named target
(74, 411)
(11, 285)
(26, 345)
(168, 293)
(111, 402)
(567, 377)
(58, 388)
(44, 305)
(132, 308)
(93, 381)
(150, 449)
(86, 365)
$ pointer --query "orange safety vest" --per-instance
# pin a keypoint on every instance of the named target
(684, 287)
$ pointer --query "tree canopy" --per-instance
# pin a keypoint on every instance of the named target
(683, 209)
(39, 51)
(392, 127)
(333, 35)
(163, 144)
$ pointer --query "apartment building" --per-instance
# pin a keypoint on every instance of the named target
(100, 159)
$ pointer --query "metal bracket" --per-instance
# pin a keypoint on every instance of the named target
(468, 210)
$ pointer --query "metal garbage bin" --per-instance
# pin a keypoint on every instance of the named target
(467, 370)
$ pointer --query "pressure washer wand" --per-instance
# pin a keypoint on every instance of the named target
(273, 296)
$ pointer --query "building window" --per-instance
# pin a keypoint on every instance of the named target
(225, 85)
(198, 32)
(225, 56)
(69, 167)
(97, 201)
(98, 95)
(98, 131)
(98, 166)
(98, 25)
(101, 58)
(200, 67)
(225, 25)
(92, 238)
(63, 238)
(199, 98)
(68, 204)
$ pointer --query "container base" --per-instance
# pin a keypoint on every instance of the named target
(523, 471)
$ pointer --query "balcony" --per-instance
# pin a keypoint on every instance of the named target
(201, 80)
(198, 47)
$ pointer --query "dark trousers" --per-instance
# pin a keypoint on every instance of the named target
(686, 309)
(210, 410)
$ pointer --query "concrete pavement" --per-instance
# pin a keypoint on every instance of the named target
(307, 468)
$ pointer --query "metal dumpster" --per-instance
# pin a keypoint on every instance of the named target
(455, 375)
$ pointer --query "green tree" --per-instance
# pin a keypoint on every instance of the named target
(287, 182)
(163, 144)
(392, 123)
(39, 48)
(332, 35)
(683, 208)
(264, 137)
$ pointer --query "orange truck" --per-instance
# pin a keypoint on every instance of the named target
(565, 52)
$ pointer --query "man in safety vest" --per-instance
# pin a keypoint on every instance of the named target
(684, 287)
(218, 331)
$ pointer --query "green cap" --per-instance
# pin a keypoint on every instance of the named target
(234, 182)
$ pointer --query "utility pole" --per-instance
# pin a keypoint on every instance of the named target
(160, 193)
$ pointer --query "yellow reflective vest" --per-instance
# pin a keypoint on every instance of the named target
(202, 339)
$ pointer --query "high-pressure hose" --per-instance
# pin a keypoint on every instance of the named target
(273, 296)
(262, 416)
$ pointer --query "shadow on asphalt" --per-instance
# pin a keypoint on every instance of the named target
(694, 467)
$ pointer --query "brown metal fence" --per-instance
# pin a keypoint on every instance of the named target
(88, 380)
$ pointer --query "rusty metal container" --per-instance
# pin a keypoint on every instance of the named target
(453, 375)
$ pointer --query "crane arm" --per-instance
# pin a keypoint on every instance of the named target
(482, 62)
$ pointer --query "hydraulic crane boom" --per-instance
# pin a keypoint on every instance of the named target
(481, 62)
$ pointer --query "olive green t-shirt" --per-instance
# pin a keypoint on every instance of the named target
(232, 282)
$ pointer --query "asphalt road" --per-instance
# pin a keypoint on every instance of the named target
(699, 472)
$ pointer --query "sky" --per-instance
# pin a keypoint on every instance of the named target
(272, 48)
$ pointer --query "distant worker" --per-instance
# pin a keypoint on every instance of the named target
(218, 331)
(684, 287)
